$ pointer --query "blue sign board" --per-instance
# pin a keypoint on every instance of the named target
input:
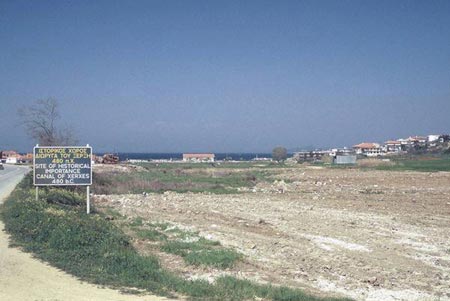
(62, 165)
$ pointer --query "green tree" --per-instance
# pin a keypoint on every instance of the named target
(279, 154)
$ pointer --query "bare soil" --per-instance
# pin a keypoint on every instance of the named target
(369, 235)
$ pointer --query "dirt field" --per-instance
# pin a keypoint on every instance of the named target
(369, 235)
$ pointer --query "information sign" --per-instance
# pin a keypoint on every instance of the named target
(62, 165)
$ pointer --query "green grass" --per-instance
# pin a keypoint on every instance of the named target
(195, 250)
(419, 164)
(181, 234)
(151, 234)
(113, 214)
(415, 163)
(92, 248)
(137, 222)
(218, 165)
(87, 246)
(203, 252)
(161, 225)
(221, 258)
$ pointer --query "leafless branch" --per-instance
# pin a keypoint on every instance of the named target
(40, 123)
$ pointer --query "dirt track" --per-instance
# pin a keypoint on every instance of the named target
(370, 235)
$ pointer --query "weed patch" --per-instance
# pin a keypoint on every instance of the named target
(221, 258)
(137, 222)
(179, 178)
(422, 164)
(195, 250)
(151, 234)
(371, 191)
(113, 214)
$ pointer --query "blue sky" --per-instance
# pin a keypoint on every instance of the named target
(227, 76)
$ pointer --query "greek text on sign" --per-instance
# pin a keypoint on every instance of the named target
(54, 165)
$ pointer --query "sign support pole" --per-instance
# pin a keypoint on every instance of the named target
(88, 197)
(88, 201)
(34, 172)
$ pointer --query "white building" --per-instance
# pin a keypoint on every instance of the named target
(433, 138)
(11, 160)
(198, 157)
(393, 146)
(368, 149)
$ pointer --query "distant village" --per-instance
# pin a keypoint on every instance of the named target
(13, 157)
(430, 144)
(416, 144)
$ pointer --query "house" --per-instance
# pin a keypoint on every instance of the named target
(393, 147)
(11, 160)
(26, 159)
(433, 138)
(311, 156)
(198, 157)
(9, 153)
(404, 143)
(419, 139)
(414, 143)
(10, 157)
(368, 149)
(341, 151)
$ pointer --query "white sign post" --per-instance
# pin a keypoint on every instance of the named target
(88, 201)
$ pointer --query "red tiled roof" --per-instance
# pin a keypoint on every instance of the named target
(10, 153)
(366, 145)
(416, 138)
(26, 157)
(199, 156)
(393, 142)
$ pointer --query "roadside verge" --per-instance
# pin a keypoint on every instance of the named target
(23, 277)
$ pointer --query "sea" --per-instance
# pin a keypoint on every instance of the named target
(179, 156)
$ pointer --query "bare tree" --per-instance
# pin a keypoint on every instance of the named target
(41, 123)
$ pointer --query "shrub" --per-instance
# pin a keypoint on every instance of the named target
(279, 154)
(62, 197)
